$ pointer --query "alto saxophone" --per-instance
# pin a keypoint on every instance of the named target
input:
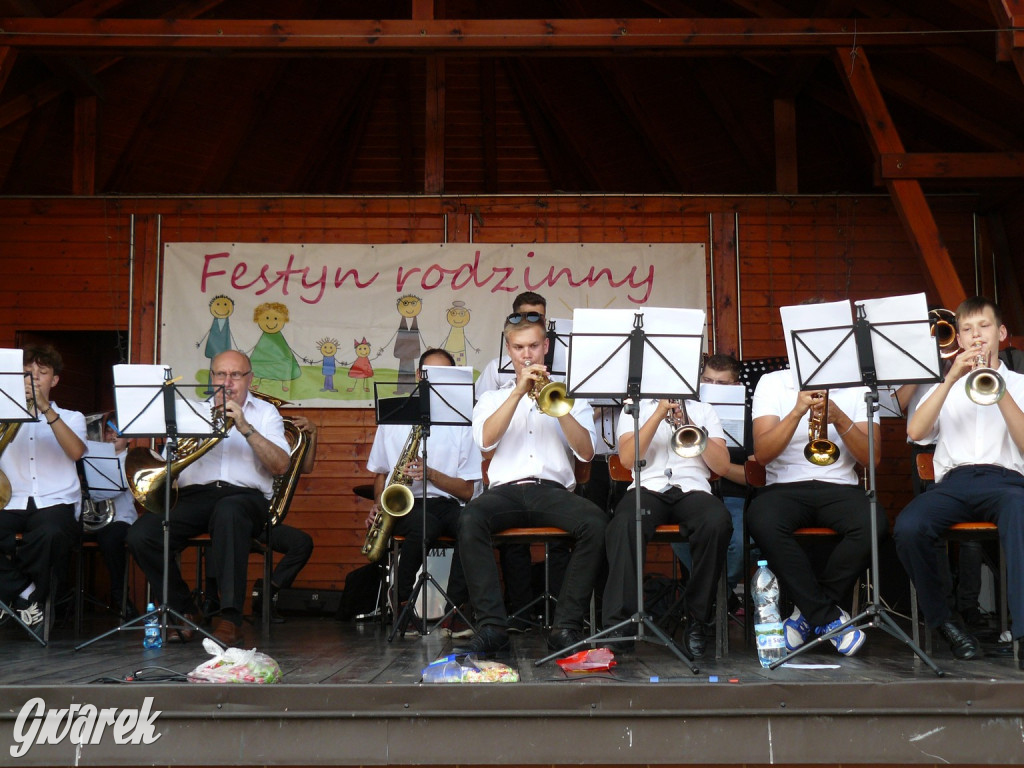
(395, 501)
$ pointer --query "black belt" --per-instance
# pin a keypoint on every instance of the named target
(537, 481)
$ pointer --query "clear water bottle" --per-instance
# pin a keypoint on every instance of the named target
(151, 637)
(764, 589)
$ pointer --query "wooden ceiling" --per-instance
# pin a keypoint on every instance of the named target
(511, 96)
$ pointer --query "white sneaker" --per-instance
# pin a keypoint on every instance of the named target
(796, 630)
(849, 641)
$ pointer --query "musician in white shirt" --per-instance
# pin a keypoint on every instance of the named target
(225, 493)
(979, 474)
(531, 478)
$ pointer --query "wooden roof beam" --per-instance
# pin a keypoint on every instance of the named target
(907, 195)
(952, 165)
(420, 36)
(1009, 16)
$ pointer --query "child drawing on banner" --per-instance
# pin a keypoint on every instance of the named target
(407, 342)
(361, 368)
(456, 342)
(272, 358)
(328, 363)
(218, 338)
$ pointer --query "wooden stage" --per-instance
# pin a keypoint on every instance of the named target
(351, 698)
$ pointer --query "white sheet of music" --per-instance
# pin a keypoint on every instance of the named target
(729, 402)
(824, 352)
(138, 392)
(13, 403)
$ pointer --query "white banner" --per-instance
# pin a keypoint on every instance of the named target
(322, 323)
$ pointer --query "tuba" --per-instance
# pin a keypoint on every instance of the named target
(550, 395)
(284, 485)
(688, 441)
(7, 433)
(984, 384)
(146, 470)
(396, 500)
(819, 450)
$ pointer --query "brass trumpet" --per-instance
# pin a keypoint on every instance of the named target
(819, 450)
(688, 441)
(943, 322)
(550, 395)
(984, 384)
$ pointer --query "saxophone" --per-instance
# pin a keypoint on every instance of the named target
(395, 501)
(7, 433)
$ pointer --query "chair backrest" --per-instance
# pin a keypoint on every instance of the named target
(925, 466)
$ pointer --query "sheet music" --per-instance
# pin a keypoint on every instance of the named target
(451, 394)
(820, 344)
(138, 391)
(103, 470)
(901, 340)
(729, 402)
(13, 404)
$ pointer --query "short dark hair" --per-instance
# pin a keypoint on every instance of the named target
(723, 362)
(435, 351)
(975, 306)
(44, 354)
(528, 297)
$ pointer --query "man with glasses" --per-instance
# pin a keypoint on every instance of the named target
(225, 493)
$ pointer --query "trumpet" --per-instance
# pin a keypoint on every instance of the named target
(396, 500)
(550, 395)
(819, 450)
(984, 384)
(687, 441)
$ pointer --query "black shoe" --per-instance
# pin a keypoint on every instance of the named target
(1020, 653)
(973, 617)
(488, 639)
(622, 646)
(961, 643)
(695, 637)
(517, 625)
(563, 637)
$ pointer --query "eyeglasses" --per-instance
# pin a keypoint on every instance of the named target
(233, 375)
(517, 317)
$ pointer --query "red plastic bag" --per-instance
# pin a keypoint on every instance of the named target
(595, 660)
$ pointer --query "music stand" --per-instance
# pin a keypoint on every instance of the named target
(150, 399)
(444, 396)
(103, 481)
(883, 350)
(640, 366)
(14, 409)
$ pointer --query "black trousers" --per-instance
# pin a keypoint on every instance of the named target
(442, 519)
(110, 540)
(295, 546)
(701, 516)
(48, 533)
(532, 505)
(779, 509)
(232, 516)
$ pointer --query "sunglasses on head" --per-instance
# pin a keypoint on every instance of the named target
(517, 317)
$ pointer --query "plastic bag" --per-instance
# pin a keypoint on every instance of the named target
(449, 670)
(235, 665)
(594, 660)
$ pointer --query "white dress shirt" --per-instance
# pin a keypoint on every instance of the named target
(37, 466)
(968, 433)
(664, 466)
(534, 444)
(450, 451)
(776, 394)
(232, 460)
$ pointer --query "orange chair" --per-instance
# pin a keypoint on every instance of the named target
(972, 531)
(669, 534)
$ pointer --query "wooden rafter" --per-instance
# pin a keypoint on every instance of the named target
(710, 36)
(907, 195)
(952, 165)
(1009, 14)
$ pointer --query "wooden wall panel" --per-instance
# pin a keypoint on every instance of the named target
(64, 265)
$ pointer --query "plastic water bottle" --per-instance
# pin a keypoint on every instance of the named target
(764, 589)
(151, 637)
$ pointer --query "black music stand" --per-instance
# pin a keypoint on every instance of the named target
(628, 360)
(893, 339)
(147, 404)
(103, 481)
(441, 404)
(14, 409)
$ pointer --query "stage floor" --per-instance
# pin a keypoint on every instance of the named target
(350, 697)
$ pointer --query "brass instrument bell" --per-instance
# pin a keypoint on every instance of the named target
(550, 395)
(984, 384)
(819, 450)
